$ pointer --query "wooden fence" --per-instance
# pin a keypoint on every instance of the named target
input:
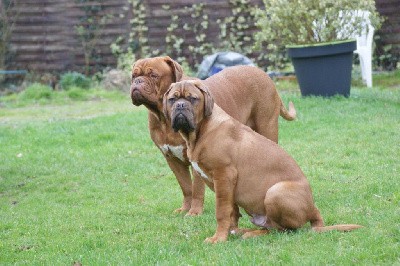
(388, 42)
(45, 38)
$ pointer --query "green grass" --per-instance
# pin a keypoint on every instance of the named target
(40, 95)
(81, 181)
(390, 79)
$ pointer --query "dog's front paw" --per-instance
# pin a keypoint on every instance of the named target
(181, 209)
(195, 212)
(215, 239)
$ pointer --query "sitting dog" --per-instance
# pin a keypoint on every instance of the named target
(244, 92)
(243, 167)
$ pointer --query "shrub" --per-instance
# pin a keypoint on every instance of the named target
(235, 34)
(74, 79)
(116, 79)
(76, 93)
(297, 22)
(36, 91)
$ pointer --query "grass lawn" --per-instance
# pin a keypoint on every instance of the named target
(81, 182)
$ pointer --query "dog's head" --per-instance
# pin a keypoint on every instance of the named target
(151, 78)
(186, 103)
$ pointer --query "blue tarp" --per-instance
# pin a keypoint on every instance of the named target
(214, 63)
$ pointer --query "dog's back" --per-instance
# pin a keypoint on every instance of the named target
(248, 94)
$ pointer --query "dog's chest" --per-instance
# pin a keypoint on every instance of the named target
(197, 168)
(170, 143)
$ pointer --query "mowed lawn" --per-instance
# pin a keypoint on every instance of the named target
(82, 183)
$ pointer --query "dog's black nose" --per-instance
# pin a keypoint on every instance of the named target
(137, 81)
(180, 105)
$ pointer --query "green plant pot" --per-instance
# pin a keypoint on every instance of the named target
(325, 69)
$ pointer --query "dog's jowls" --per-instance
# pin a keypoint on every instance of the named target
(243, 168)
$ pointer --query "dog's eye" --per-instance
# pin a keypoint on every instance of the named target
(193, 99)
(154, 76)
(171, 100)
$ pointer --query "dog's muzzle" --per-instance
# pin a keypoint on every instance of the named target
(136, 96)
(180, 122)
(182, 118)
(136, 87)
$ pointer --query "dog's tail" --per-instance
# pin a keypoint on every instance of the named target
(338, 227)
(288, 114)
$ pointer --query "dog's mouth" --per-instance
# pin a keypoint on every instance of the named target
(181, 122)
(137, 97)
(143, 95)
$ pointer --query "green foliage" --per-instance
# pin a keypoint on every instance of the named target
(32, 94)
(187, 69)
(43, 94)
(236, 30)
(8, 17)
(89, 30)
(76, 93)
(389, 80)
(198, 26)
(386, 57)
(138, 35)
(74, 79)
(136, 46)
(125, 59)
(82, 183)
(280, 23)
(234, 34)
(294, 22)
(36, 91)
(173, 42)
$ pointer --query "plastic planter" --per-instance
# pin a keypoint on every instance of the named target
(325, 69)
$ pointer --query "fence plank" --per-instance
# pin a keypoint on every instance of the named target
(45, 38)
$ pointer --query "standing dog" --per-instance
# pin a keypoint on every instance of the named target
(244, 92)
(243, 168)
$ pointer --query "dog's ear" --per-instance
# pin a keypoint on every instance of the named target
(208, 99)
(136, 63)
(176, 68)
(165, 102)
(133, 67)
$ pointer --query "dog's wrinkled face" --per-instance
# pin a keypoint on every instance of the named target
(186, 103)
(151, 77)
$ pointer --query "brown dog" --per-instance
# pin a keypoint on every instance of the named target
(244, 168)
(244, 92)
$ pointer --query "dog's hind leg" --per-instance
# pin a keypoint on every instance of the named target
(267, 127)
(255, 233)
(234, 229)
(289, 205)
